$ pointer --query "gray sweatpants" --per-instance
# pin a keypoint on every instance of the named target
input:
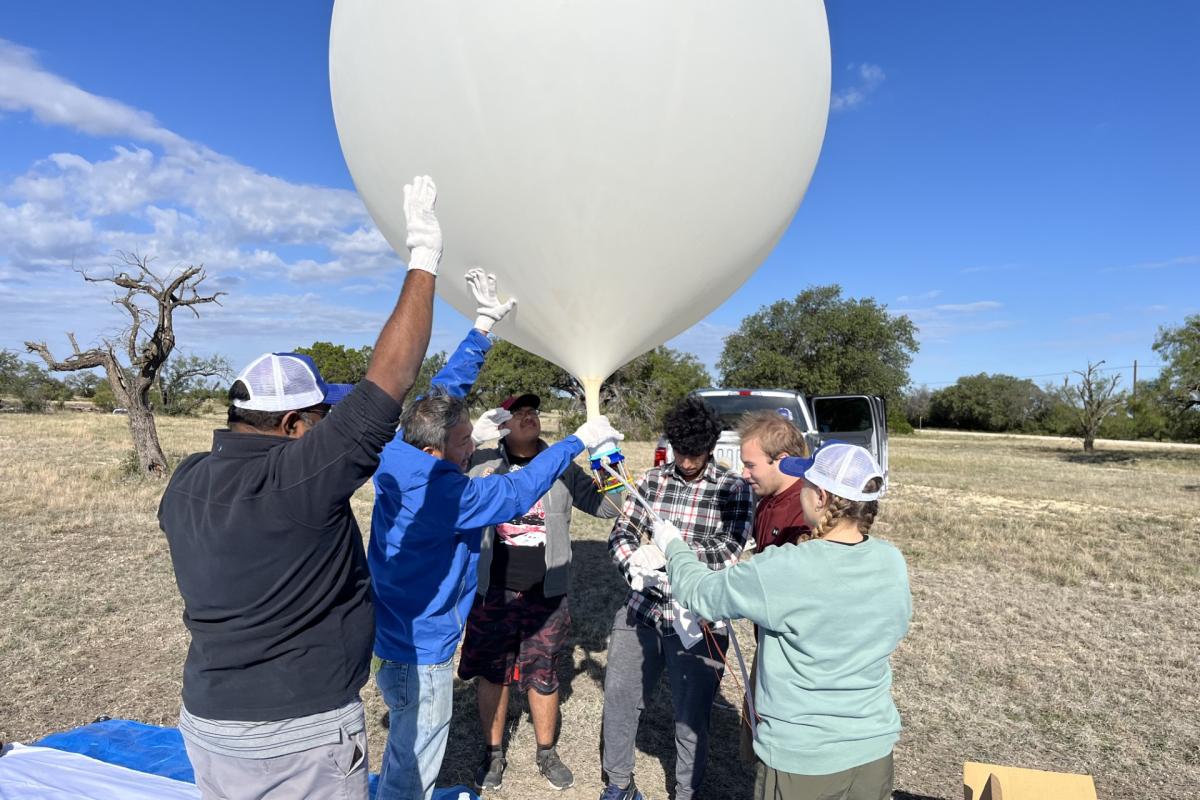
(327, 771)
(637, 656)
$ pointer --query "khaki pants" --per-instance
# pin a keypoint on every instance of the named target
(329, 771)
(871, 781)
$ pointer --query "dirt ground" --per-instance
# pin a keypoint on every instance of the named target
(1056, 619)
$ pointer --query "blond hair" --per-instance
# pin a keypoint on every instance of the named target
(775, 434)
(862, 512)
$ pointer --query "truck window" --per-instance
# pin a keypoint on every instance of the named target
(842, 414)
(732, 407)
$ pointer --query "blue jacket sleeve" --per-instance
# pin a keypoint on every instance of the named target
(462, 368)
(493, 499)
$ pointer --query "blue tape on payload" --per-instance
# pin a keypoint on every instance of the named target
(135, 745)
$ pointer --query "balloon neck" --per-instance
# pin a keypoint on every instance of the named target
(591, 394)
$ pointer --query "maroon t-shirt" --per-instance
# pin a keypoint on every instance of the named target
(778, 519)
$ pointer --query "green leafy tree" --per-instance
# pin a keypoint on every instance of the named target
(338, 363)
(510, 370)
(988, 403)
(1179, 348)
(635, 397)
(30, 385)
(640, 393)
(821, 343)
(84, 384)
(429, 367)
(188, 382)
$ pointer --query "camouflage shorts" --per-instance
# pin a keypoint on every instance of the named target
(516, 638)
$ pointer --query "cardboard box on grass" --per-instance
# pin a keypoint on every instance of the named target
(992, 782)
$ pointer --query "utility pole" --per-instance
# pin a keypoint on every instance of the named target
(1135, 379)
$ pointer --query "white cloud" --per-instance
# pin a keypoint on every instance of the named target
(1182, 261)
(867, 77)
(945, 321)
(160, 194)
(163, 194)
(991, 268)
(916, 298)
(25, 86)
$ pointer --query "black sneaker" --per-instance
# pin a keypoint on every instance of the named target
(554, 770)
(612, 792)
(490, 773)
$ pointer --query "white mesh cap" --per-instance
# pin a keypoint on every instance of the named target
(281, 382)
(838, 468)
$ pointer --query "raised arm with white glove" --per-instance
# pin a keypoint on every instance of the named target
(598, 433)
(424, 233)
(488, 426)
(490, 310)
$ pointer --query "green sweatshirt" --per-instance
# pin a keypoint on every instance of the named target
(830, 615)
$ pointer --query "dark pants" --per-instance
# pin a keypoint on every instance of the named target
(870, 781)
(637, 655)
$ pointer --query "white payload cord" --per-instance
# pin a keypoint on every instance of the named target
(752, 715)
(654, 517)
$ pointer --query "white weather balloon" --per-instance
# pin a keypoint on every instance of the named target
(621, 165)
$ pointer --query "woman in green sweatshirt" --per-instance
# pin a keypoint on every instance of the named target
(830, 612)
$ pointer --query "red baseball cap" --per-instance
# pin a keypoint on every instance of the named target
(527, 400)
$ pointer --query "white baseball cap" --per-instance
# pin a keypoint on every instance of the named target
(287, 382)
(838, 468)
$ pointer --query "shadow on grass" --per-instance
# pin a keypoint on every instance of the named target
(1140, 457)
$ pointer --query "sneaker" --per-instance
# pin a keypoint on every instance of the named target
(490, 773)
(612, 792)
(554, 770)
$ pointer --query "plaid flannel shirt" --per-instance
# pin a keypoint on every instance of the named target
(713, 513)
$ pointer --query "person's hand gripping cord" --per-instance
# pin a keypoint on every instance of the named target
(490, 310)
(598, 435)
(424, 233)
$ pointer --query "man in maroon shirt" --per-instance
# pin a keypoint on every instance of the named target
(766, 438)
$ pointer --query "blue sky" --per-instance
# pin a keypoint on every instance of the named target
(1020, 178)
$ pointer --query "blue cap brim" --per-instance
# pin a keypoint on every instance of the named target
(336, 392)
(795, 465)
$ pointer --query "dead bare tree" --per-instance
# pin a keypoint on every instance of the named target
(150, 300)
(1094, 399)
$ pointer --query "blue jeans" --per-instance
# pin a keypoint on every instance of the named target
(420, 701)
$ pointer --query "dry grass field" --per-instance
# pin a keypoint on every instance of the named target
(1057, 612)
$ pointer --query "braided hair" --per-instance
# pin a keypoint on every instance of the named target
(862, 512)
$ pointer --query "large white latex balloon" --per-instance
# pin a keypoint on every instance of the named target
(621, 165)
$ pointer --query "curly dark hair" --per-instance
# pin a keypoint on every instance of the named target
(692, 427)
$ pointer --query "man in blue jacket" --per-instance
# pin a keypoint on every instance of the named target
(425, 536)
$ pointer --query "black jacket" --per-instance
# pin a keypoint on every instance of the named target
(269, 561)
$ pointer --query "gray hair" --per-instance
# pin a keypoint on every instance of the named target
(428, 421)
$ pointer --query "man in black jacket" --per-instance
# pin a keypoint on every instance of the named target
(269, 558)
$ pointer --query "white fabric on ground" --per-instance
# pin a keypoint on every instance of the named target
(43, 773)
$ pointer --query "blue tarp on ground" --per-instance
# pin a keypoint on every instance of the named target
(155, 750)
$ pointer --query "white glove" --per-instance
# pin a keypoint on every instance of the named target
(648, 557)
(491, 310)
(664, 533)
(597, 432)
(424, 234)
(487, 427)
(643, 580)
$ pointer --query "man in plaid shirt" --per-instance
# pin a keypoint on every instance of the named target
(712, 507)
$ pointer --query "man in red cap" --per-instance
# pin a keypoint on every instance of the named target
(518, 628)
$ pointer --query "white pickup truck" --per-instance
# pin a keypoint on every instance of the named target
(855, 419)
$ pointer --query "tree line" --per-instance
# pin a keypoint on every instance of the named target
(818, 342)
